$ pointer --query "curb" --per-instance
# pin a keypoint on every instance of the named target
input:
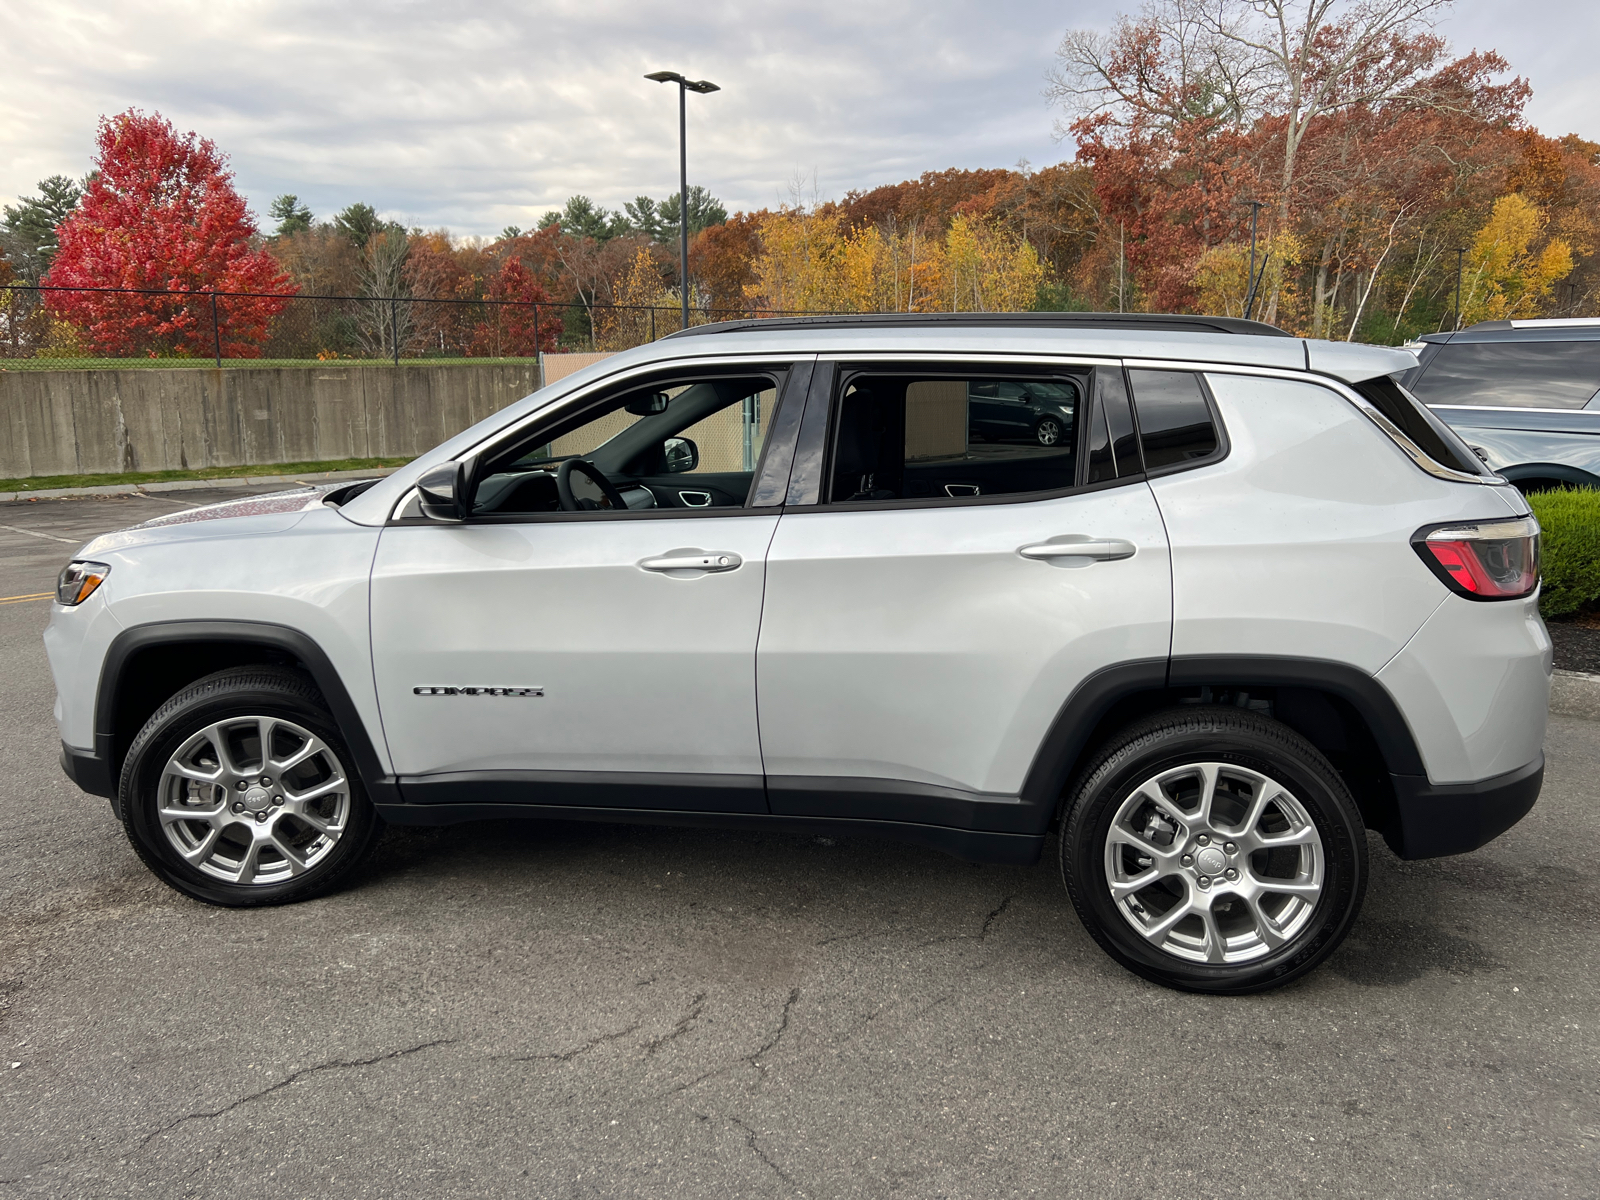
(1575, 694)
(185, 485)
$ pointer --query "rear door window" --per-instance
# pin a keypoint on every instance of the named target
(1176, 425)
(1532, 374)
(935, 436)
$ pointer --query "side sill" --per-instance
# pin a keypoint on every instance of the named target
(856, 799)
(1454, 818)
(587, 789)
(966, 844)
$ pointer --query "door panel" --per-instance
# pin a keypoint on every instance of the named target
(643, 671)
(917, 644)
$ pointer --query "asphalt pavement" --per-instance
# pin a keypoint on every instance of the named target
(567, 1010)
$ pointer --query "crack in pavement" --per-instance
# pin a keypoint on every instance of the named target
(777, 1036)
(337, 1064)
(990, 919)
(755, 1148)
(683, 1026)
(981, 935)
(569, 1055)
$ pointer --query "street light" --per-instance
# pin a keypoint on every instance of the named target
(684, 87)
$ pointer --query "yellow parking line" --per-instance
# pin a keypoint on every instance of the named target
(20, 599)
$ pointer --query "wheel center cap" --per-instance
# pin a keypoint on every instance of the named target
(1209, 861)
(258, 799)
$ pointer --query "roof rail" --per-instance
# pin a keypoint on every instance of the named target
(1539, 323)
(1172, 323)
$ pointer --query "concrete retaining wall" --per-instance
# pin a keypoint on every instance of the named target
(157, 419)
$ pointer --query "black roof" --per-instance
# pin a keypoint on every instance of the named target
(1172, 323)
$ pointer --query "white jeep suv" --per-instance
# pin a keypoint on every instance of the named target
(1252, 601)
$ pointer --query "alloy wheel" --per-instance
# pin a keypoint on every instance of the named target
(1215, 863)
(254, 800)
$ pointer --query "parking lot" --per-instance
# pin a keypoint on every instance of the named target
(528, 1009)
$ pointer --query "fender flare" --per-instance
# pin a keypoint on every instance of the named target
(380, 786)
(1060, 754)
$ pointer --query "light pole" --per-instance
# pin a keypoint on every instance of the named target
(685, 86)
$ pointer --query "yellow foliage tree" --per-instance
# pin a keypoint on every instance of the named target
(1222, 277)
(980, 267)
(1506, 277)
(646, 308)
(810, 263)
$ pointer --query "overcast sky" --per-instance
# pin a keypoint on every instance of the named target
(476, 116)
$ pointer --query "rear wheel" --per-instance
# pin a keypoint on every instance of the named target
(238, 791)
(1214, 850)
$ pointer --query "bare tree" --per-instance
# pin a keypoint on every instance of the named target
(384, 322)
(1244, 61)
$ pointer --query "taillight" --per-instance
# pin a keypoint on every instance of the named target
(1484, 560)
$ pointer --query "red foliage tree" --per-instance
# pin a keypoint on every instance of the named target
(509, 329)
(161, 212)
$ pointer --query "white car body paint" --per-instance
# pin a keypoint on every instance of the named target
(1298, 543)
(917, 644)
(306, 569)
(1474, 684)
(642, 671)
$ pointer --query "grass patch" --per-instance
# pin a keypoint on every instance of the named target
(48, 482)
(1569, 549)
(138, 364)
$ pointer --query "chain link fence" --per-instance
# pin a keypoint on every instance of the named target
(60, 328)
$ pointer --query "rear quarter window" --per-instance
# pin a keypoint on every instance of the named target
(1426, 431)
(1532, 374)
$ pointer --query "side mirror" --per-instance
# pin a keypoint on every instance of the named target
(680, 454)
(648, 405)
(442, 492)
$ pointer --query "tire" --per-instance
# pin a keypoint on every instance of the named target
(1047, 432)
(247, 844)
(1233, 933)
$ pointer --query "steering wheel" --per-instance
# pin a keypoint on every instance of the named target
(610, 497)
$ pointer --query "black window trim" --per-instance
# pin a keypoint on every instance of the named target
(792, 375)
(821, 420)
(1224, 445)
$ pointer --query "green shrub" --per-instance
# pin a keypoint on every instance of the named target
(1570, 550)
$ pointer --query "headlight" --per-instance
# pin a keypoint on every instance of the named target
(78, 581)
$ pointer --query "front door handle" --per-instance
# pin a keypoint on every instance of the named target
(1078, 546)
(682, 560)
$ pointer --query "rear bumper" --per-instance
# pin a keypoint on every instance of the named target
(87, 770)
(1452, 818)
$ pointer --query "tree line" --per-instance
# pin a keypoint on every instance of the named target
(1327, 167)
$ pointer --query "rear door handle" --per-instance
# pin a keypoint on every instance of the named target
(715, 561)
(1077, 546)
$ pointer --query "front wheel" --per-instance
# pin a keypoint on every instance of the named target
(238, 791)
(1047, 432)
(1214, 850)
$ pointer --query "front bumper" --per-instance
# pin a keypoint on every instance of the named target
(1436, 819)
(89, 771)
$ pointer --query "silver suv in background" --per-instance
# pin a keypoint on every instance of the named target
(1525, 395)
(1247, 602)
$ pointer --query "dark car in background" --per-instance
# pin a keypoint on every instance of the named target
(1039, 411)
(1525, 395)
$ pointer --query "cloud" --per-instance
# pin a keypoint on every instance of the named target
(474, 116)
